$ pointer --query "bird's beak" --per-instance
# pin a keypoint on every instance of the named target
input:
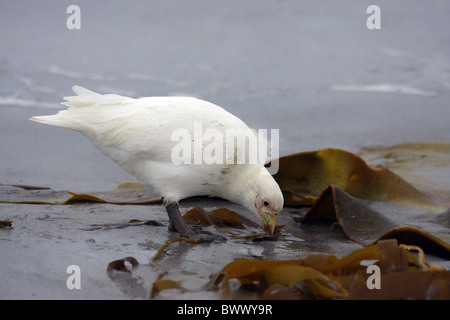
(269, 223)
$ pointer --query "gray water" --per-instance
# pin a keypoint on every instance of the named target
(299, 66)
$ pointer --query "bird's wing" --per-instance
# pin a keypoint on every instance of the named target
(153, 127)
(147, 128)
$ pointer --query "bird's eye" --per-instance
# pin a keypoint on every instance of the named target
(266, 203)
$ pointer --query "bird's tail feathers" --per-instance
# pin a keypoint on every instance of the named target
(67, 118)
(76, 115)
(88, 98)
(58, 120)
(84, 98)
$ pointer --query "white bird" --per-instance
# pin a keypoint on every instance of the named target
(138, 134)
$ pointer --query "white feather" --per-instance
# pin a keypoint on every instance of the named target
(136, 133)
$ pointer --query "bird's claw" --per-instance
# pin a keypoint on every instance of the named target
(198, 234)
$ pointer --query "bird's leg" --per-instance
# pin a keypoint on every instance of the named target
(178, 224)
(176, 221)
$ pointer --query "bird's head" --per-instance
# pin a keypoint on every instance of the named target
(267, 210)
(254, 188)
(268, 202)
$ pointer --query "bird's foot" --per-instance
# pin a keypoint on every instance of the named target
(201, 237)
(196, 233)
